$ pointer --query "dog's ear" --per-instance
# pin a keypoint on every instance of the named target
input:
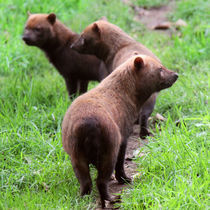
(138, 63)
(51, 18)
(96, 28)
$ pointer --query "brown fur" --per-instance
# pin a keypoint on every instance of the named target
(109, 43)
(53, 37)
(97, 124)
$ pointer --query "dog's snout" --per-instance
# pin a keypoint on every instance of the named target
(176, 76)
(25, 38)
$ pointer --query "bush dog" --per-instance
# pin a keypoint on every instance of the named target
(97, 124)
(46, 32)
(109, 43)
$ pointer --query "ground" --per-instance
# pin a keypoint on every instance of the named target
(150, 18)
(134, 143)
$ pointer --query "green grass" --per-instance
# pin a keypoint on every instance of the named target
(35, 171)
(149, 3)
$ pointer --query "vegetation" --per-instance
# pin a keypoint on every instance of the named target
(37, 174)
(150, 4)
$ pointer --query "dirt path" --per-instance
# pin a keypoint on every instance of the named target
(155, 18)
(134, 143)
(152, 19)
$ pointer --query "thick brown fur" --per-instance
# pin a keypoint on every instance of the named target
(97, 124)
(111, 44)
(50, 35)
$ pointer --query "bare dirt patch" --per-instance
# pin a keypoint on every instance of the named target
(154, 17)
(157, 18)
(134, 143)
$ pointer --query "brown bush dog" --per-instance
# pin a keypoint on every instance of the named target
(46, 32)
(109, 43)
(97, 124)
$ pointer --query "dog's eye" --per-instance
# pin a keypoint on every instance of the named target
(160, 69)
(37, 29)
(85, 42)
(88, 41)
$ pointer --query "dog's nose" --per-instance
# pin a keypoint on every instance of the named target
(176, 76)
(25, 38)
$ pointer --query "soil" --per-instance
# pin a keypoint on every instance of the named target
(156, 16)
(134, 143)
(153, 18)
